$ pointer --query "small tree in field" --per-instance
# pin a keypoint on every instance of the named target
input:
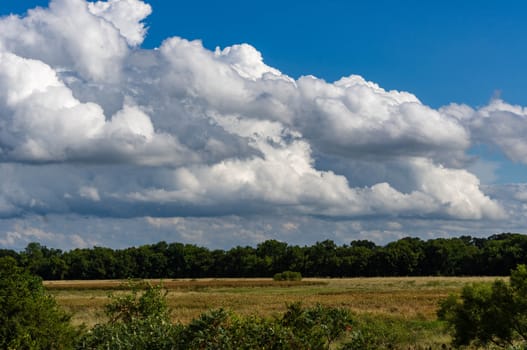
(495, 313)
(30, 318)
(136, 320)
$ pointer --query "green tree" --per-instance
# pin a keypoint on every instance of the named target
(30, 318)
(78, 263)
(234, 263)
(45, 262)
(137, 320)
(322, 259)
(405, 256)
(175, 260)
(358, 258)
(489, 313)
(451, 257)
(502, 252)
(273, 254)
(198, 261)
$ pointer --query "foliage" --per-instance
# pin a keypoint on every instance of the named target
(495, 313)
(29, 318)
(317, 327)
(144, 300)
(137, 320)
(459, 256)
(376, 332)
(299, 328)
(287, 276)
(149, 333)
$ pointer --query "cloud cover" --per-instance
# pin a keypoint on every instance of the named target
(92, 124)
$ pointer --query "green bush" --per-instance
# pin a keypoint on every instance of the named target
(149, 333)
(315, 328)
(209, 331)
(378, 331)
(260, 333)
(30, 318)
(138, 320)
(489, 313)
(288, 276)
(143, 301)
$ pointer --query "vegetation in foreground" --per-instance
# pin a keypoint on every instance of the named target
(494, 314)
(29, 317)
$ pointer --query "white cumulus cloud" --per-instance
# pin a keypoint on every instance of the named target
(125, 15)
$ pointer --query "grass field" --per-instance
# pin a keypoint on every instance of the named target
(402, 308)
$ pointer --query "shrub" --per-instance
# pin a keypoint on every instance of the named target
(30, 318)
(138, 320)
(375, 332)
(288, 276)
(209, 331)
(316, 327)
(143, 301)
(313, 328)
(495, 313)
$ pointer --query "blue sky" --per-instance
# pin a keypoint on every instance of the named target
(442, 51)
(158, 133)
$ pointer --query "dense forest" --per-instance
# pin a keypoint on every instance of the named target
(465, 255)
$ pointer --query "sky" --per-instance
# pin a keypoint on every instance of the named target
(128, 122)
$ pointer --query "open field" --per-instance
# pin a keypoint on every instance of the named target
(408, 303)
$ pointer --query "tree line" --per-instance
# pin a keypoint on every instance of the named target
(494, 256)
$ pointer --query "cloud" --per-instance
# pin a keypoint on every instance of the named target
(22, 234)
(93, 124)
(125, 15)
(165, 222)
(230, 231)
(350, 117)
(505, 125)
(499, 123)
(90, 192)
(353, 117)
(43, 122)
(52, 35)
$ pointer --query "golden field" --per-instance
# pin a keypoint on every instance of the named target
(407, 298)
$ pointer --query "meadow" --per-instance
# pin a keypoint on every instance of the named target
(400, 310)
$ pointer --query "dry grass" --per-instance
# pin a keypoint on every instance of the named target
(406, 298)
(185, 284)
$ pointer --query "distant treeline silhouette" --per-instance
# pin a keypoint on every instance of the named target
(460, 256)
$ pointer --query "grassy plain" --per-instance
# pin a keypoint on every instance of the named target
(401, 309)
